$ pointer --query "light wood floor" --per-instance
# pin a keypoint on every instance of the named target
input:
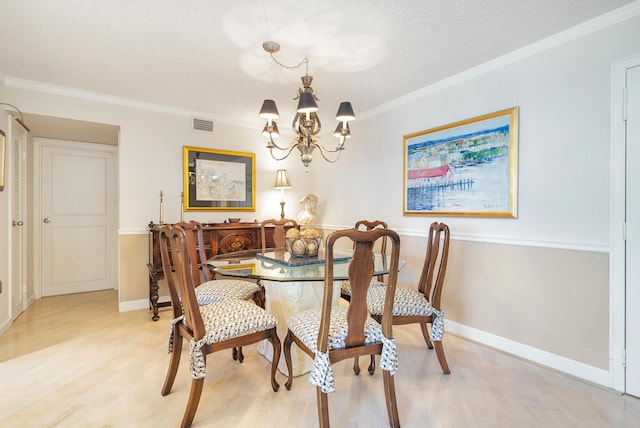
(75, 361)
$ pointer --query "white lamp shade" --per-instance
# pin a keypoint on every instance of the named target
(282, 180)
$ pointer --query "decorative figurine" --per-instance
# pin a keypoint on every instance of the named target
(307, 217)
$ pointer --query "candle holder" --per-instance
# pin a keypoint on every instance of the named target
(181, 206)
(161, 208)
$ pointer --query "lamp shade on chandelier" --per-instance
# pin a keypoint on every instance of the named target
(306, 123)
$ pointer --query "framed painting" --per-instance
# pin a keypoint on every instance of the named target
(3, 157)
(468, 168)
(239, 270)
(219, 180)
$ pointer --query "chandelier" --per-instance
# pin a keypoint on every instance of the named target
(306, 123)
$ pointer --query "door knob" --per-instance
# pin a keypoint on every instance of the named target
(47, 220)
(17, 223)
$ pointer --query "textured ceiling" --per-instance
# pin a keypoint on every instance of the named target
(206, 56)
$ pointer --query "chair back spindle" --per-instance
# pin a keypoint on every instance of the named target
(435, 263)
(174, 239)
(196, 249)
(279, 231)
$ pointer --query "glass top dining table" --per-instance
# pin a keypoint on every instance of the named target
(291, 285)
(277, 264)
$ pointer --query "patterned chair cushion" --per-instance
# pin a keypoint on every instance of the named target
(224, 321)
(306, 324)
(345, 286)
(225, 289)
(408, 302)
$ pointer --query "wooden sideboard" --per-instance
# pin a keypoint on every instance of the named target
(220, 238)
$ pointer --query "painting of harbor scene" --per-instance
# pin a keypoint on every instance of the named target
(467, 168)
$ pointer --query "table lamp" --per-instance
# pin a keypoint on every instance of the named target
(282, 182)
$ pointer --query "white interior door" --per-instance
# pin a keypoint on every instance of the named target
(632, 262)
(18, 229)
(78, 212)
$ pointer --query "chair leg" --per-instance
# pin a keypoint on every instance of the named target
(275, 341)
(192, 404)
(426, 335)
(174, 362)
(356, 365)
(323, 408)
(287, 357)
(237, 355)
(372, 365)
(441, 358)
(259, 297)
(390, 397)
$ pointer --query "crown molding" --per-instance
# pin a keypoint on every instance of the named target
(121, 101)
(596, 24)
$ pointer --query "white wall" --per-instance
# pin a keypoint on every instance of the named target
(151, 152)
(563, 94)
(506, 295)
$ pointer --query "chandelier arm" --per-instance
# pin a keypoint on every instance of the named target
(322, 149)
(317, 125)
(288, 150)
(338, 149)
(272, 144)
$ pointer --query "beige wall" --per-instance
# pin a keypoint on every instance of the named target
(134, 275)
(553, 300)
(550, 299)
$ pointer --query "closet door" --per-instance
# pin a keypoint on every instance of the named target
(632, 342)
(18, 230)
(78, 213)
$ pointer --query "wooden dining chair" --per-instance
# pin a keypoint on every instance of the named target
(208, 289)
(337, 332)
(209, 328)
(421, 306)
(345, 286)
(279, 231)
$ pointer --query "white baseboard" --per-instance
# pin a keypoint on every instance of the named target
(134, 305)
(556, 362)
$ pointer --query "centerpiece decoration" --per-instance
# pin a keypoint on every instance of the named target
(305, 244)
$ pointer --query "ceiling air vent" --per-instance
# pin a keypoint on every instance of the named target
(203, 125)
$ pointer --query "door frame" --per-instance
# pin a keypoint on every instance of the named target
(617, 318)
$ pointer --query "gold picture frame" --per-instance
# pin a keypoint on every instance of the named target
(219, 180)
(467, 168)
